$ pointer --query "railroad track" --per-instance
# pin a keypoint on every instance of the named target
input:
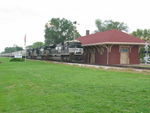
(109, 66)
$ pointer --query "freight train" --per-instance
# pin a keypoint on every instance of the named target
(69, 51)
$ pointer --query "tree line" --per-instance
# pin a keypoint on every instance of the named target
(12, 49)
(59, 30)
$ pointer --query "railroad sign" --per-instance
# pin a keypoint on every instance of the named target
(18, 56)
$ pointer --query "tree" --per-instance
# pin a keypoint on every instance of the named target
(29, 47)
(12, 49)
(59, 30)
(17, 48)
(37, 44)
(109, 25)
(142, 34)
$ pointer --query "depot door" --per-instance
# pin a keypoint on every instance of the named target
(92, 58)
(124, 55)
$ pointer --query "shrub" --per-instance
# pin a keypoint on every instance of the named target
(17, 60)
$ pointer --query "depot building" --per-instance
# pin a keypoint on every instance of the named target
(111, 47)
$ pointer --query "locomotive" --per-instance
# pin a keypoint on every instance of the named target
(69, 51)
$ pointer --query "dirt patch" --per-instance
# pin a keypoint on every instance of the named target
(11, 86)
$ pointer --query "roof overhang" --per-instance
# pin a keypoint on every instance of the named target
(115, 43)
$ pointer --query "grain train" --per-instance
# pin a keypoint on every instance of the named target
(69, 51)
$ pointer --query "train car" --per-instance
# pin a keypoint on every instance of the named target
(69, 51)
(13, 54)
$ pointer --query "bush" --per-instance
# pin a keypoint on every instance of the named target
(17, 60)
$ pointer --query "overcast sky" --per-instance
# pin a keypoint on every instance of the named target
(20, 17)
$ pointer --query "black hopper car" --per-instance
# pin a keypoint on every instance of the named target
(69, 51)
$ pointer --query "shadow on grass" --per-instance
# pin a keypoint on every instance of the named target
(17, 60)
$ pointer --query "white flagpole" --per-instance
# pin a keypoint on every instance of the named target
(25, 46)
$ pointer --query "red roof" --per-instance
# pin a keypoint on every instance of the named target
(110, 37)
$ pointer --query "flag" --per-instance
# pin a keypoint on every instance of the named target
(25, 40)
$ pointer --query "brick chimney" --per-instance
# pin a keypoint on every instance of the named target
(87, 32)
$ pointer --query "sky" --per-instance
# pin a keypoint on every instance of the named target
(20, 17)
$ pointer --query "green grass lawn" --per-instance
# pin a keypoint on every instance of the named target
(44, 87)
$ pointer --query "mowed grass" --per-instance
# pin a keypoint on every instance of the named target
(44, 87)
